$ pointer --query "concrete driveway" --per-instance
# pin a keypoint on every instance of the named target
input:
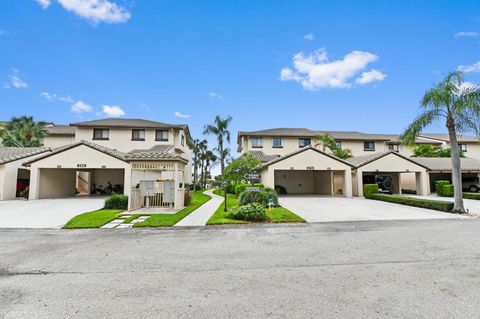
(45, 213)
(328, 209)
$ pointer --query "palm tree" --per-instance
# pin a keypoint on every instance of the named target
(210, 160)
(326, 140)
(199, 147)
(220, 129)
(459, 106)
(23, 132)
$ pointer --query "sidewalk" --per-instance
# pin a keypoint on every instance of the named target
(201, 215)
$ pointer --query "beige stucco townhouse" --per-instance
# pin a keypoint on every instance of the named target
(293, 162)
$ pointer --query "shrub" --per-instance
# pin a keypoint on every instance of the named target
(448, 190)
(369, 189)
(261, 197)
(116, 202)
(471, 196)
(188, 198)
(250, 212)
(439, 187)
(417, 202)
(230, 188)
(240, 188)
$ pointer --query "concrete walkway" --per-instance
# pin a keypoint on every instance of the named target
(201, 215)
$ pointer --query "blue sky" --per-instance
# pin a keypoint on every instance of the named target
(328, 65)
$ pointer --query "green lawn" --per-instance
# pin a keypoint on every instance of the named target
(167, 220)
(93, 219)
(275, 215)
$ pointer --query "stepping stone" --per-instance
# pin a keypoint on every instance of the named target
(124, 226)
(109, 225)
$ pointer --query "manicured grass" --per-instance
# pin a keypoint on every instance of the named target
(167, 220)
(275, 215)
(93, 219)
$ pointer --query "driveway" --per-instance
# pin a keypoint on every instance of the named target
(328, 209)
(45, 213)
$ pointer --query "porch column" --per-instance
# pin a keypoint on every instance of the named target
(176, 206)
(127, 184)
(360, 183)
(347, 183)
(423, 183)
(34, 183)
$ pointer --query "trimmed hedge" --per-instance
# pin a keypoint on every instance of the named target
(471, 196)
(442, 189)
(250, 212)
(370, 189)
(261, 197)
(240, 188)
(116, 202)
(416, 202)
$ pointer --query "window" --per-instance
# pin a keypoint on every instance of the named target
(182, 140)
(277, 142)
(369, 146)
(161, 135)
(302, 142)
(338, 144)
(100, 134)
(138, 135)
(462, 147)
(393, 147)
(257, 142)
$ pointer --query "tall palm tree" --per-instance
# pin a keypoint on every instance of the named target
(210, 160)
(199, 147)
(459, 106)
(23, 132)
(220, 129)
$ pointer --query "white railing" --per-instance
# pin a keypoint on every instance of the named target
(135, 199)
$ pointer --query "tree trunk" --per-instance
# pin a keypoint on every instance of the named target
(195, 171)
(456, 168)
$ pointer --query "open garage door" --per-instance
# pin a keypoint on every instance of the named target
(309, 182)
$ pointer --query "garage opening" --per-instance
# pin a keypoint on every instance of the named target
(470, 181)
(23, 182)
(393, 182)
(310, 182)
(61, 183)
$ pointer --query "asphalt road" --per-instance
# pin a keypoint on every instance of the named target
(387, 269)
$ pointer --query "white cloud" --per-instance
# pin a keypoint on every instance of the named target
(472, 68)
(48, 96)
(81, 107)
(315, 71)
(215, 95)
(309, 36)
(370, 76)
(43, 3)
(465, 34)
(16, 81)
(55, 97)
(93, 10)
(113, 110)
(181, 115)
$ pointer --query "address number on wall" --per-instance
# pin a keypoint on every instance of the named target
(310, 168)
(81, 165)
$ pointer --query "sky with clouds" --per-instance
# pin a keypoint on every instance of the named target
(326, 65)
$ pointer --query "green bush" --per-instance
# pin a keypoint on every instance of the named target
(471, 196)
(369, 189)
(250, 212)
(261, 197)
(240, 188)
(116, 202)
(447, 190)
(230, 188)
(188, 198)
(417, 202)
(439, 187)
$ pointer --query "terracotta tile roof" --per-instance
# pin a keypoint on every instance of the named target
(262, 157)
(10, 154)
(61, 130)
(157, 152)
(445, 163)
(359, 161)
(126, 123)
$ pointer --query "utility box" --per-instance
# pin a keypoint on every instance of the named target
(169, 192)
(147, 188)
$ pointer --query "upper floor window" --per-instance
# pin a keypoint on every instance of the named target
(338, 144)
(100, 134)
(161, 135)
(462, 147)
(138, 135)
(302, 142)
(277, 142)
(369, 146)
(257, 142)
(393, 147)
(182, 140)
